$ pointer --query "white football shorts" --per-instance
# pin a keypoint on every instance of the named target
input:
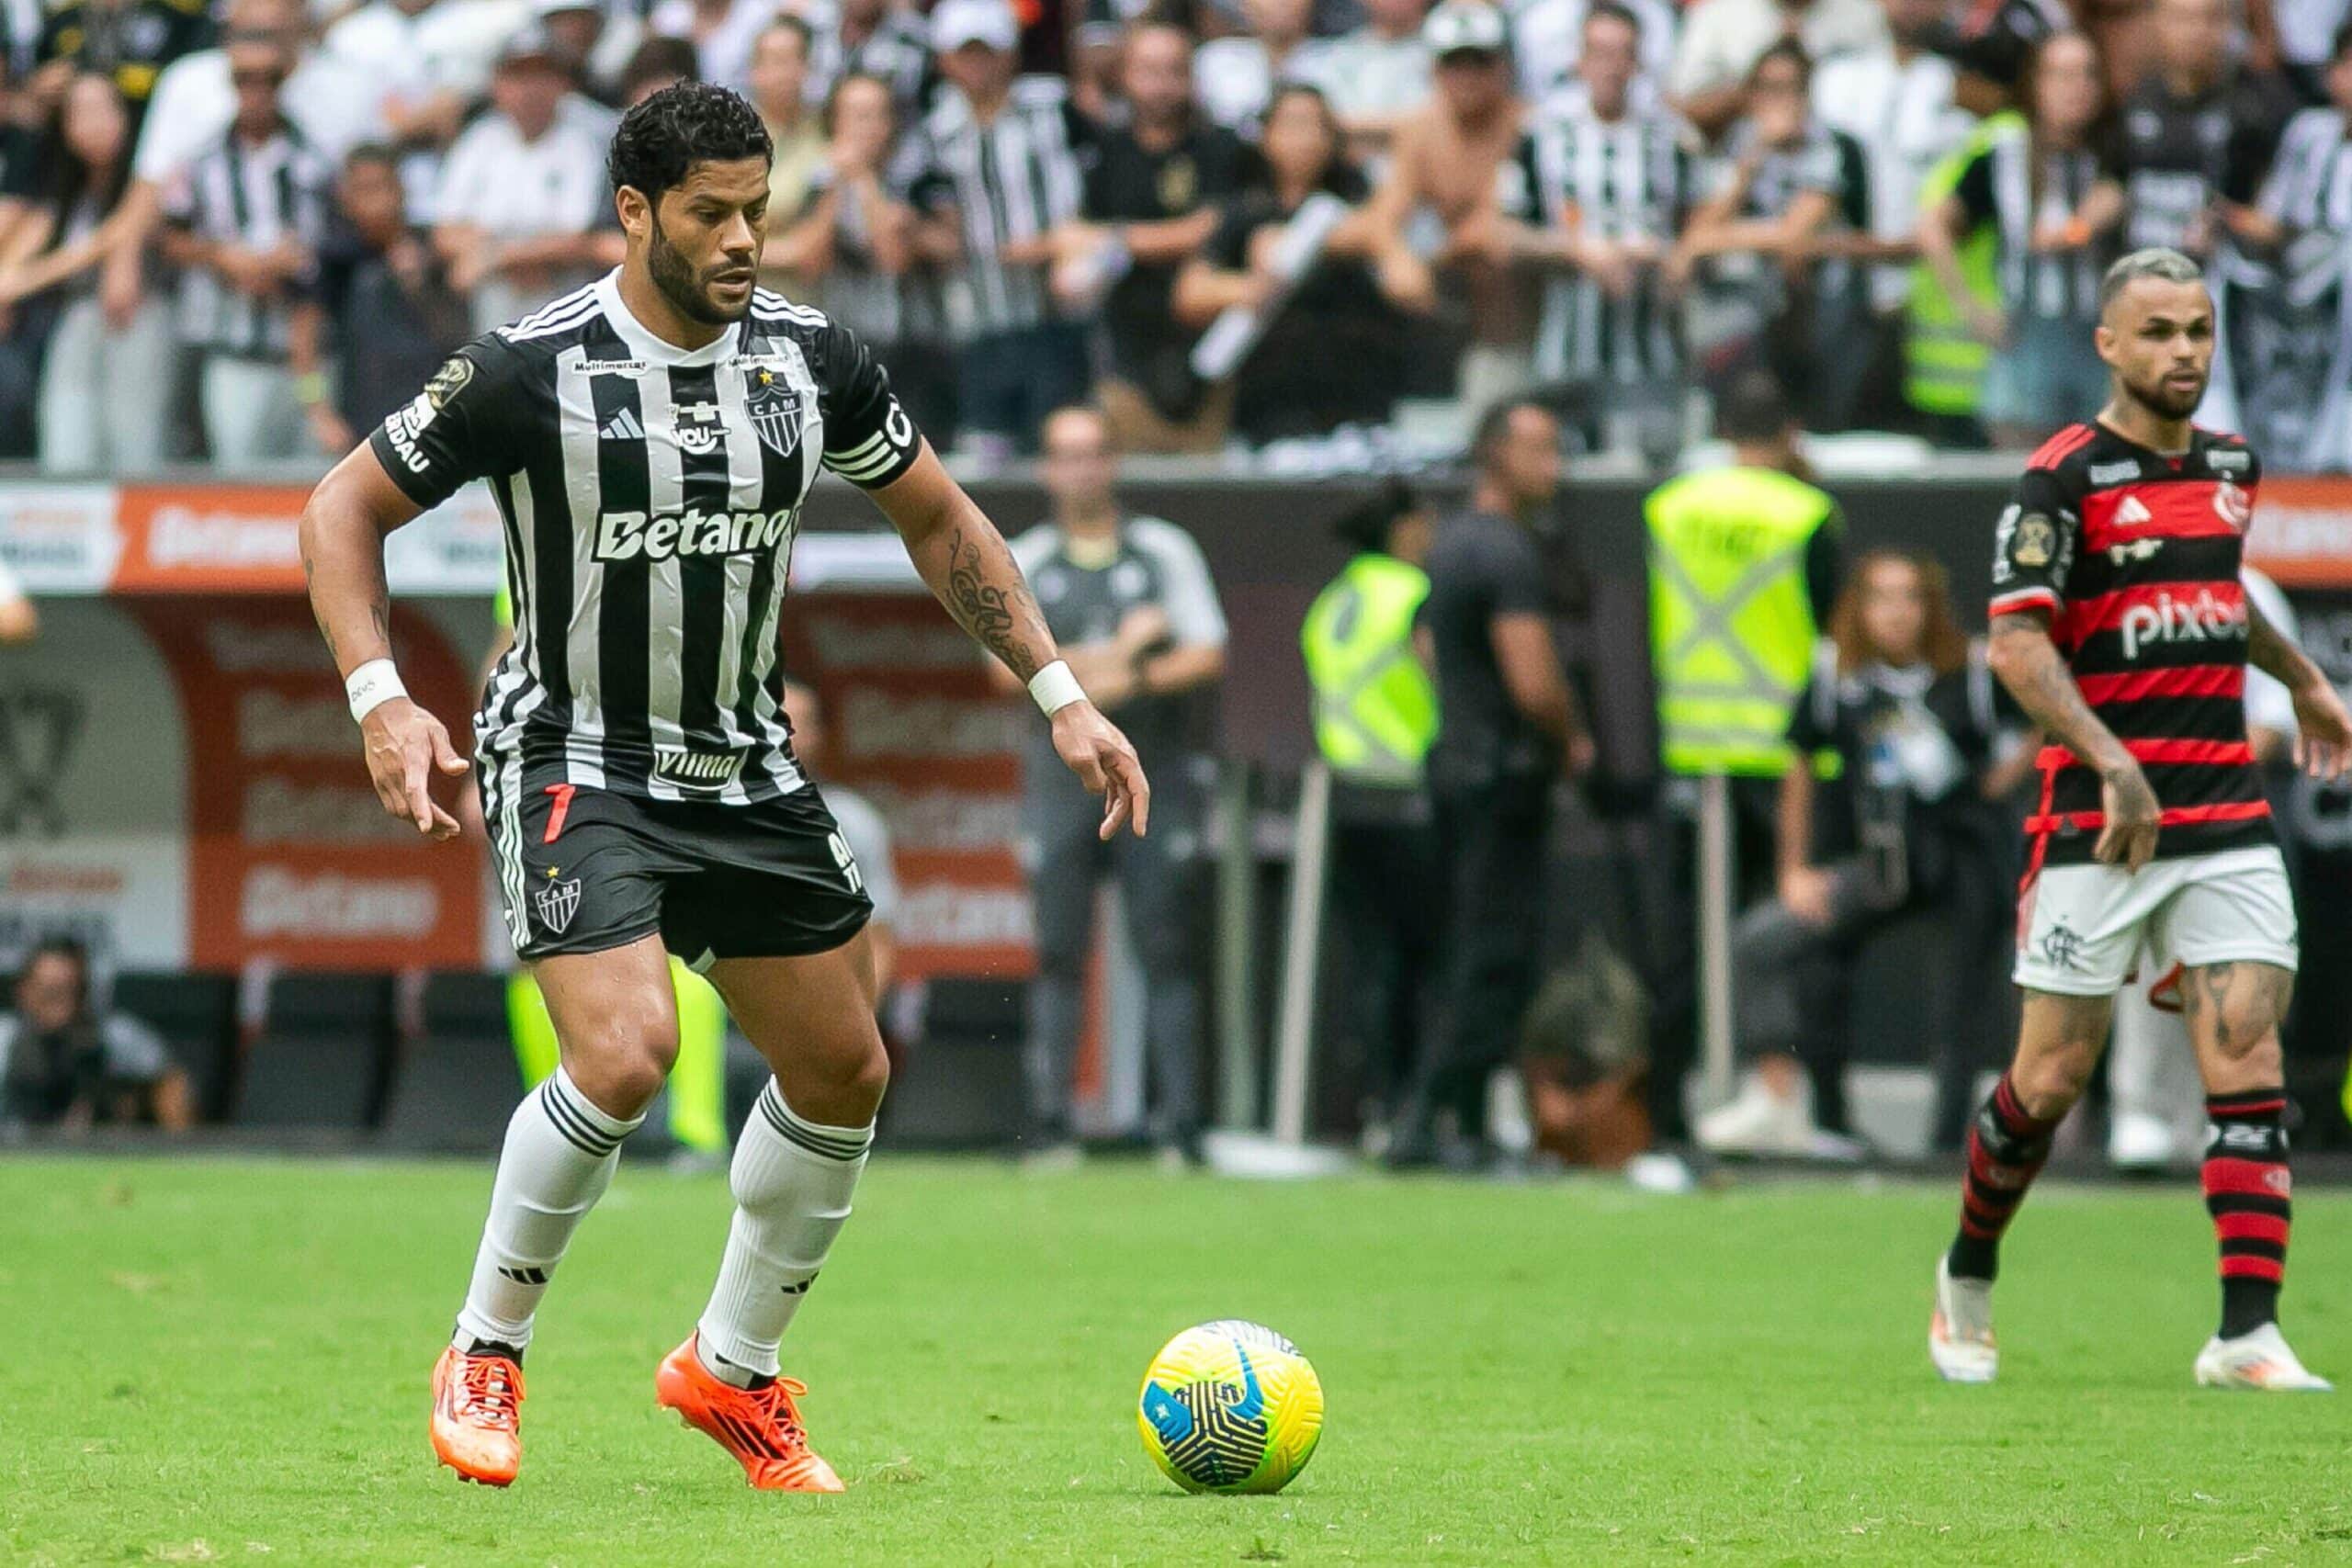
(2082, 927)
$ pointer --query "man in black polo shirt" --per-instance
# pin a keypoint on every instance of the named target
(1508, 729)
(1152, 198)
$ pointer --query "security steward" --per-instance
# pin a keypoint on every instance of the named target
(1375, 713)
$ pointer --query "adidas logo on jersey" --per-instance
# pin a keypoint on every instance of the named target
(2133, 510)
(622, 426)
(2201, 619)
(628, 535)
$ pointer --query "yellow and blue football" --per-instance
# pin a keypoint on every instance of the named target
(1230, 1406)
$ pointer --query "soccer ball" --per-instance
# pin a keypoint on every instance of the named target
(1230, 1406)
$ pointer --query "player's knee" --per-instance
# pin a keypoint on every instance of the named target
(2049, 1085)
(626, 1060)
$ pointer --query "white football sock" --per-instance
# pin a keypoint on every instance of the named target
(558, 1160)
(792, 1179)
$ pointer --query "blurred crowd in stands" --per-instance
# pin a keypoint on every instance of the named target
(245, 229)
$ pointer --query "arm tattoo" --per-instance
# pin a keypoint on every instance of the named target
(988, 599)
(2045, 688)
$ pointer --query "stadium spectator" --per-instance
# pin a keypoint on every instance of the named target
(1724, 40)
(1747, 248)
(387, 292)
(1130, 601)
(1324, 283)
(1509, 729)
(104, 389)
(2197, 135)
(1899, 104)
(1375, 712)
(523, 191)
(130, 41)
(1153, 196)
(69, 1065)
(19, 622)
(853, 247)
(1236, 76)
(335, 102)
(2309, 31)
(1547, 42)
(594, 44)
(2292, 335)
(2053, 209)
(1004, 176)
(244, 226)
(721, 31)
(1605, 184)
(861, 823)
(876, 38)
(1900, 826)
(657, 63)
(1377, 74)
(780, 92)
(428, 63)
(1441, 192)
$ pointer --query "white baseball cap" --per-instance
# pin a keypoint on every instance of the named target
(1460, 25)
(954, 23)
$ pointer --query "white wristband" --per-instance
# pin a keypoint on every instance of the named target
(1055, 688)
(370, 686)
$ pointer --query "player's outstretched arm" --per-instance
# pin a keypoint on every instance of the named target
(343, 560)
(2323, 728)
(970, 569)
(2026, 661)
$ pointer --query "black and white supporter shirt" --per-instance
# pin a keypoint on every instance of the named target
(1015, 178)
(256, 196)
(651, 497)
(1620, 179)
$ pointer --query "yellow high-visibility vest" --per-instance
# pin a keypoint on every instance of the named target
(1731, 622)
(1375, 712)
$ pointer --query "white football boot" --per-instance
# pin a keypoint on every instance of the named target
(1959, 1337)
(2259, 1360)
(1757, 1122)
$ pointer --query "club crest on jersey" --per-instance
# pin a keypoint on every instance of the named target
(2232, 505)
(775, 405)
(697, 428)
(555, 904)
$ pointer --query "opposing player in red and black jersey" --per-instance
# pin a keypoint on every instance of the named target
(2121, 626)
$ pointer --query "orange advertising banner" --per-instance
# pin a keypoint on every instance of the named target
(2302, 532)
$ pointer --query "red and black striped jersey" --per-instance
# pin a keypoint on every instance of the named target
(2133, 555)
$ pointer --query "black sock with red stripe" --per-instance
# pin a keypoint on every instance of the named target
(2249, 1194)
(2005, 1148)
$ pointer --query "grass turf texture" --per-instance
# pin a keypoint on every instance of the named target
(227, 1361)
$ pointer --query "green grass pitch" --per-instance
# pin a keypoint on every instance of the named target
(227, 1360)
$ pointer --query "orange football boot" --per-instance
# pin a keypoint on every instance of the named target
(477, 1409)
(760, 1426)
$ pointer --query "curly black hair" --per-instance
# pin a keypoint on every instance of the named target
(680, 126)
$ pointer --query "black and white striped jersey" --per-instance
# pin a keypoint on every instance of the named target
(1014, 178)
(255, 195)
(651, 497)
(1619, 179)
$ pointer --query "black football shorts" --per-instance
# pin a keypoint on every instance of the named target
(582, 870)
